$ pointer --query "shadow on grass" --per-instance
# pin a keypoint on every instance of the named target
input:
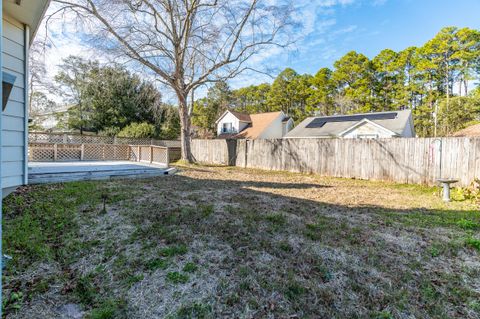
(324, 260)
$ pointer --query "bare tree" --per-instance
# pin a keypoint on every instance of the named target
(186, 43)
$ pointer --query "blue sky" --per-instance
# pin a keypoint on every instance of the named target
(369, 26)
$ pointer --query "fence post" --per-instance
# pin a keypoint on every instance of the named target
(82, 151)
(168, 156)
(55, 152)
(139, 153)
(151, 154)
(65, 138)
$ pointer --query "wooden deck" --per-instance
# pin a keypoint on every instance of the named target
(56, 172)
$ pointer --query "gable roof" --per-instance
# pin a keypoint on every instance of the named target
(334, 126)
(472, 130)
(259, 123)
(242, 117)
(367, 121)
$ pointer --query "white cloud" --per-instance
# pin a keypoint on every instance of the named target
(317, 19)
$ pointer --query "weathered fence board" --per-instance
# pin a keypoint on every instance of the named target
(404, 160)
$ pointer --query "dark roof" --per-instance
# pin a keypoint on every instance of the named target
(332, 126)
(244, 117)
(321, 121)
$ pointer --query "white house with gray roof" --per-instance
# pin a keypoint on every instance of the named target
(365, 125)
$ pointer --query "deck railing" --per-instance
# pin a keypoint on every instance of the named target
(71, 138)
(55, 152)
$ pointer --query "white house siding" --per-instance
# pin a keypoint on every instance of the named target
(368, 130)
(409, 131)
(275, 129)
(287, 127)
(13, 118)
(237, 125)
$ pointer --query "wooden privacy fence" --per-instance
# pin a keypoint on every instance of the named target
(404, 160)
(52, 152)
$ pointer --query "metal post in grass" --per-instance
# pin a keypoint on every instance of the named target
(104, 198)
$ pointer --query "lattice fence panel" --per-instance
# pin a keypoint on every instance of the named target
(145, 154)
(92, 152)
(70, 138)
(45, 138)
(68, 152)
(41, 152)
(134, 153)
(135, 141)
(122, 152)
(159, 155)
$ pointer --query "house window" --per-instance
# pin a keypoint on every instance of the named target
(227, 128)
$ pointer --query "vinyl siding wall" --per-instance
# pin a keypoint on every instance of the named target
(237, 126)
(13, 117)
(367, 129)
(274, 129)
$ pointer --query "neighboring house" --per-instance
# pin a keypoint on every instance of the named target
(366, 125)
(253, 126)
(20, 20)
(469, 131)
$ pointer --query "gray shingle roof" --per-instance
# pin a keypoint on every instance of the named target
(337, 126)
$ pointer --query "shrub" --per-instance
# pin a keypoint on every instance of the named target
(110, 131)
(138, 130)
(471, 192)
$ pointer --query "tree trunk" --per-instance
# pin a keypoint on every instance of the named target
(185, 136)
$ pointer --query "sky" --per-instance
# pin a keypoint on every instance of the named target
(330, 29)
(369, 26)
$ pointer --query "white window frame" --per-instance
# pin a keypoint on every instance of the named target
(227, 127)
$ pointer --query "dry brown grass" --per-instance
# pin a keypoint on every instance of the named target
(227, 242)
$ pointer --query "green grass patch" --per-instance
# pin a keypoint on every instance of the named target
(294, 291)
(176, 277)
(206, 210)
(315, 231)
(468, 224)
(34, 219)
(196, 310)
(190, 267)
(473, 243)
(173, 251)
(156, 263)
(86, 290)
(108, 309)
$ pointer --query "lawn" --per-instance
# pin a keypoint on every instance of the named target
(215, 242)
